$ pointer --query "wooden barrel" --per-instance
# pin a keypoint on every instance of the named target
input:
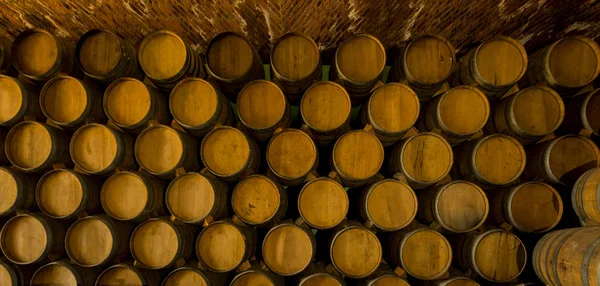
(18, 100)
(259, 201)
(97, 241)
(424, 159)
(459, 280)
(585, 197)
(182, 60)
(299, 244)
(70, 103)
(63, 273)
(199, 107)
(357, 157)
(354, 250)
(493, 160)
(389, 205)
(292, 156)
(440, 205)
(392, 110)
(159, 244)
(323, 203)
(16, 190)
(425, 64)
(256, 275)
(562, 160)
(358, 63)
(567, 64)
(388, 279)
(495, 66)
(100, 150)
(127, 274)
(34, 147)
(13, 275)
(295, 64)
(495, 255)
(132, 196)
(194, 197)
(229, 154)
(325, 109)
(66, 194)
(191, 275)
(317, 274)
(582, 112)
(105, 57)
(232, 62)
(262, 108)
(160, 150)
(223, 246)
(457, 114)
(39, 55)
(5, 63)
(131, 105)
(32, 238)
(3, 158)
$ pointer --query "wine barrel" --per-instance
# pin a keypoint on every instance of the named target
(387, 279)
(562, 160)
(223, 246)
(494, 66)
(18, 100)
(325, 109)
(63, 273)
(160, 150)
(159, 244)
(262, 108)
(95, 241)
(392, 110)
(585, 197)
(259, 201)
(257, 276)
(299, 244)
(357, 157)
(323, 203)
(495, 255)
(195, 198)
(5, 63)
(440, 205)
(3, 158)
(389, 205)
(459, 280)
(424, 159)
(199, 107)
(127, 274)
(191, 275)
(39, 55)
(131, 105)
(358, 64)
(354, 250)
(182, 60)
(105, 57)
(16, 190)
(566, 65)
(132, 196)
(425, 64)
(13, 275)
(582, 112)
(457, 114)
(66, 194)
(99, 150)
(295, 64)
(232, 62)
(34, 147)
(493, 160)
(32, 238)
(229, 154)
(292, 156)
(317, 274)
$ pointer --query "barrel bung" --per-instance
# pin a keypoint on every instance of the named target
(357, 157)
(262, 108)
(299, 244)
(66, 194)
(195, 198)
(158, 243)
(127, 274)
(389, 205)
(292, 156)
(17, 101)
(223, 246)
(16, 190)
(354, 250)
(323, 203)
(229, 154)
(258, 200)
(132, 196)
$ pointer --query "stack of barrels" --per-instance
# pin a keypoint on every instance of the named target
(156, 165)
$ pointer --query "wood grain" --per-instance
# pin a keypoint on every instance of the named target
(261, 105)
(120, 274)
(90, 242)
(155, 243)
(295, 56)
(425, 254)
(227, 152)
(60, 193)
(100, 53)
(291, 155)
(288, 249)
(192, 197)
(24, 239)
(54, 274)
(357, 156)
(222, 247)
(325, 106)
(229, 56)
(355, 252)
(323, 203)
(162, 55)
(9, 190)
(389, 204)
(127, 102)
(257, 200)
(186, 277)
(428, 60)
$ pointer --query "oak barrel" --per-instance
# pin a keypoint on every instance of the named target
(387, 279)
(18, 101)
(389, 205)
(585, 198)
(229, 154)
(3, 158)
(223, 246)
(192, 275)
(323, 203)
(357, 157)
(126, 274)
(292, 156)
(259, 201)
(63, 273)
(317, 274)
(16, 190)
(5, 63)
(256, 275)
(299, 244)
(132, 196)
(354, 250)
(582, 112)
(14, 275)
(66, 194)
(195, 197)
(459, 280)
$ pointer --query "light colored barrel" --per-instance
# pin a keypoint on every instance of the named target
(262, 108)
(160, 150)
(132, 196)
(100, 150)
(388, 279)
(5, 63)
(582, 112)
(354, 250)
(159, 244)
(292, 156)
(131, 104)
(423, 253)
(66, 194)
(259, 201)
(223, 246)
(105, 57)
(459, 280)
(295, 64)
(323, 203)
(257, 276)
(34, 147)
(493, 160)
(195, 197)
(63, 273)
(317, 274)
(325, 109)
(585, 197)
(127, 274)
(299, 244)
(389, 205)
(392, 110)
(166, 59)
(13, 275)
(424, 159)
(562, 160)
(494, 66)
(357, 157)
(457, 114)
(18, 100)
(32, 238)
(191, 275)
(229, 154)
(16, 190)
